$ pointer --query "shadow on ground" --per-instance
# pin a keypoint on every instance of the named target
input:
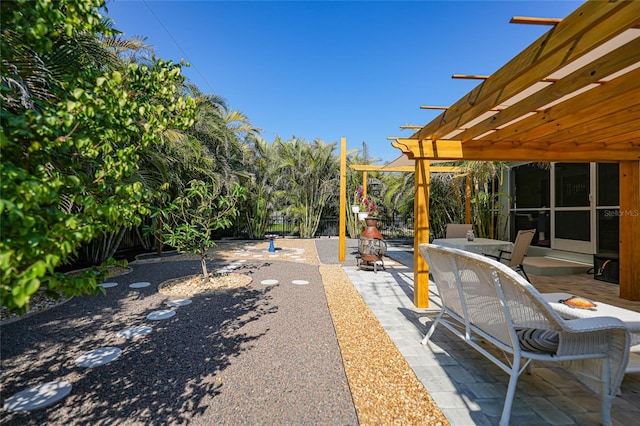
(166, 377)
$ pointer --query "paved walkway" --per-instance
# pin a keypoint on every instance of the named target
(468, 388)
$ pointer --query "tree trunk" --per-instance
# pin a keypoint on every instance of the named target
(203, 263)
(159, 236)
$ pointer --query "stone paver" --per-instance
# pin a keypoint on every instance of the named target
(469, 389)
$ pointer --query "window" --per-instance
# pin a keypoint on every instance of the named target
(608, 176)
(608, 203)
(531, 193)
(572, 184)
(531, 187)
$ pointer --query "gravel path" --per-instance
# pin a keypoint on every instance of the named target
(259, 355)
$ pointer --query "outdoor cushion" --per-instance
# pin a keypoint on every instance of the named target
(538, 339)
(579, 302)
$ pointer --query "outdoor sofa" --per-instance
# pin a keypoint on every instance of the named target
(484, 300)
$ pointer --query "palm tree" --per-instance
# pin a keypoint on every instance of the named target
(311, 177)
(488, 217)
(32, 75)
(212, 150)
(446, 202)
(262, 186)
(223, 132)
(398, 195)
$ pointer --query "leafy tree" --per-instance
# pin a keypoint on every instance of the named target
(214, 149)
(34, 35)
(70, 145)
(193, 216)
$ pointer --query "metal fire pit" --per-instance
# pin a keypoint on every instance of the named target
(370, 253)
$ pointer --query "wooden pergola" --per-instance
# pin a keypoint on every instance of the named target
(571, 96)
(365, 168)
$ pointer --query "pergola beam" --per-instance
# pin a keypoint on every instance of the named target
(629, 225)
(372, 168)
(539, 21)
(342, 234)
(470, 76)
(515, 151)
(535, 21)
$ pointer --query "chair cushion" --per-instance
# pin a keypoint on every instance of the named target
(579, 302)
(538, 340)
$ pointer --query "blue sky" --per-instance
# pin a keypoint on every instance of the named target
(332, 69)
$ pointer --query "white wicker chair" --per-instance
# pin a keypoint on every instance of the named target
(484, 299)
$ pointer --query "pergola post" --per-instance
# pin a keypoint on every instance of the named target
(421, 232)
(629, 225)
(364, 184)
(342, 233)
(467, 198)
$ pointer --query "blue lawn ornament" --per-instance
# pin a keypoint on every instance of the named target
(272, 247)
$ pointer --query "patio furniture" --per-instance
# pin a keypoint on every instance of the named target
(478, 245)
(458, 230)
(515, 257)
(631, 320)
(485, 300)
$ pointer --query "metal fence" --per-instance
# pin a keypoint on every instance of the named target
(389, 228)
(284, 226)
(396, 228)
